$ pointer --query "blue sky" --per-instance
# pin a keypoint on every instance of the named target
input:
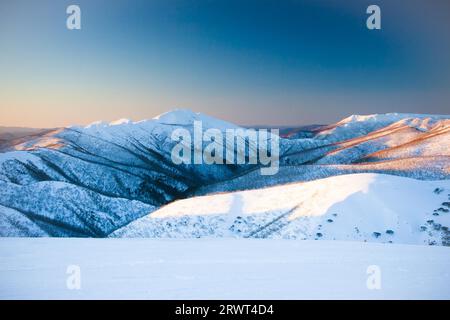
(250, 62)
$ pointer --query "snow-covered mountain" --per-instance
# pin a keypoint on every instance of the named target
(123, 163)
(92, 180)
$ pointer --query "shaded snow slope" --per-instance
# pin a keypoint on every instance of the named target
(358, 207)
(63, 210)
(423, 168)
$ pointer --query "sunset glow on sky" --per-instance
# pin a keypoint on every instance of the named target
(248, 62)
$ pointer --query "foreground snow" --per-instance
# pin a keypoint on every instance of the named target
(219, 269)
(357, 207)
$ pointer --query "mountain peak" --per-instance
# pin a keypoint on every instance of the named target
(179, 116)
(120, 121)
(187, 117)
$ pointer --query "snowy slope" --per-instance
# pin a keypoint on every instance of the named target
(220, 269)
(68, 210)
(358, 207)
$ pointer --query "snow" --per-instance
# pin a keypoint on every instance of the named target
(18, 155)
(13, 223)
(219, 269)
(348, 207)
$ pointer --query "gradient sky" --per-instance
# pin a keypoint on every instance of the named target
(250, 62)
